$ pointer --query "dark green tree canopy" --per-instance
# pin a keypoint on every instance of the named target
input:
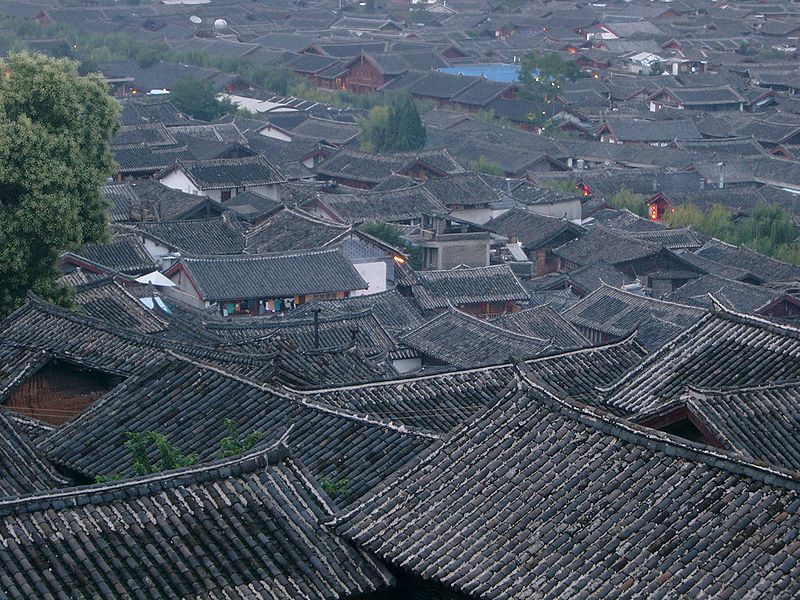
(54, 155)
(543, 73)
(198, 99)
(395, 129)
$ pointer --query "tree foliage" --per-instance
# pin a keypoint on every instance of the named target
(390, 234)
(169, 457)
(198, 99)
(566, 186)
(769, 229)
(54, 155)
(624, 198)
(394, 129)
(233, 443)
(544, 73)
(482, 165)
(339, 488)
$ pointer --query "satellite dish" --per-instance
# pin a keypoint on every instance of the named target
(195, 19)
(220, 24)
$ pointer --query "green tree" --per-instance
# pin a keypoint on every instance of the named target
(385, 232)
(54, 155)
(197, 98)
(233, 443)
(624, 198)
(169, 457)
(543, 74)
(373, 129)
(566, 186)
(482, 165)
(405, 129)
(387, 128)
(768, 229)
(391, 235)
(339, 488)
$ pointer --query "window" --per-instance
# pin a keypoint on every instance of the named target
(325, 296)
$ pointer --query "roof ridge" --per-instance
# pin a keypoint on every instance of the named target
(38, 303)
(730, 390)
(144, 485)
(289, 394)
(630, 338)
(668, 443)
(454, 311)
(285, 254)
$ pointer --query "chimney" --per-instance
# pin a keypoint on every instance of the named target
(316, 312)
(721, 183)
(353, 335)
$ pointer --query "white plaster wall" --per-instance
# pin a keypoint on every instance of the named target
(407, 365)
(474, 215)
(270, 191)
(177, 180)
(276, 134)
(154, 249)
(374, 273)
(571, 210)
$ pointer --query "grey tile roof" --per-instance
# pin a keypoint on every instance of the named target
(150, 134)
(95, 344)
(174, 399)
(741, 297)
(457, 287)
(265, 276)
(248, 525)
(673, 238)
(589, 278)
(394, 311)
(544, 323)
(334, 132)
(164, 112)
(108, 301)
(617, 313)
(484, 512)
(251, 206)
(361, 330)
(531, 229)
(140, 160)
(120, 198)
(443, 401)
(461, 190)
(723, 349)
(458, 339)
(558, 300)
(481, 93)
(374, 168)
(636, 130)
(711, 267)
(395, 205)
(291, 229)
(757, 422)
(157, 202)
(22, 468)
(196, 236)
(231, 172)
(124, 254)
(723, 94)
(740, 257)
(441, 85)
(604, 244)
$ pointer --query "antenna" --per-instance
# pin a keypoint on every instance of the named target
(195, 19)
(220, 24)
